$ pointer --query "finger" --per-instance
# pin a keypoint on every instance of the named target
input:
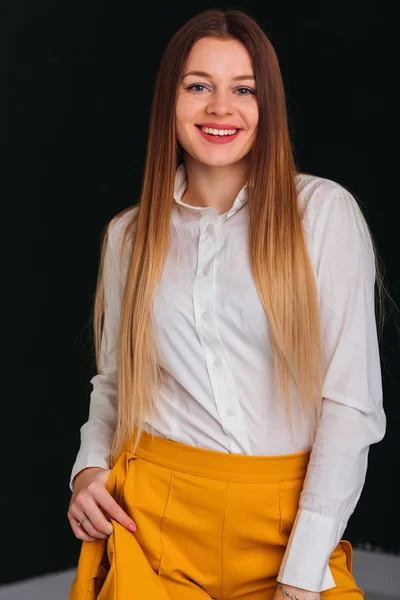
(90, 529)
(76, 514)
(113, 509)
(85, 504)
(96, 524)
(79, 532)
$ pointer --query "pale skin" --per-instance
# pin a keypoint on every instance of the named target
(217, 96)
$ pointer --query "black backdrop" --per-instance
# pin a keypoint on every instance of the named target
(78, 80)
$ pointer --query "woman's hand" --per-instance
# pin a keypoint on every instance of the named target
(91, 499)
(295, 591)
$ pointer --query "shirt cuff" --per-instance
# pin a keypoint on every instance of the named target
(94, 452)
(311, 542)
(79, 466)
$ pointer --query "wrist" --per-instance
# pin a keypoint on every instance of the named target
(296, 593)
(84, 470)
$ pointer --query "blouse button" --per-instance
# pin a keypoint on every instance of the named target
(204, 316)
(210, 228)
(205, 271)
(230, 412)
(218, 362)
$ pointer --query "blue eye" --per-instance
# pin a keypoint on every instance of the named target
(195, 85)
(248, 91)
(251, 92)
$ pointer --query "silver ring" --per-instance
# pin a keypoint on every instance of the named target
(80, 522)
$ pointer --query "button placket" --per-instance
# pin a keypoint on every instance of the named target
(221, 379)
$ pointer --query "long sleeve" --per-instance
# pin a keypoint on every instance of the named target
(352, 413)
(96, 434)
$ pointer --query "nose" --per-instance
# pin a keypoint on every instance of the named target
(220, 103)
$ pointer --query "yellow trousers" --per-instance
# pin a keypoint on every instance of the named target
(211, 525)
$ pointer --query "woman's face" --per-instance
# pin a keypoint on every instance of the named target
(217, 88)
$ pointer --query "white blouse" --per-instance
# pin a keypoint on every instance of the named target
(213, 340)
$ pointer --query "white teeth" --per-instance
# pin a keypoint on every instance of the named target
(219, 132)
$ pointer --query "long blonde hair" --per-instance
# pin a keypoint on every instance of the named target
(280, 262)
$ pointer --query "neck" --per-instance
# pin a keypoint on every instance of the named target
(215, 187)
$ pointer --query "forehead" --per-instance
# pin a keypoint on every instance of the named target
(212, 54)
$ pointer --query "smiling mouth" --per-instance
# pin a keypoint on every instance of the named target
(216, 132)
(218, 138)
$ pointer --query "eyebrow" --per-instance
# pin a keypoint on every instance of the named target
(204, 74)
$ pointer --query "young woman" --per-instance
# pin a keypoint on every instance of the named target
(239, 385)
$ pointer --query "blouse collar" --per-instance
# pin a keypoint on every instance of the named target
(181, 185)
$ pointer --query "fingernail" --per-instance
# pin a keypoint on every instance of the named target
(132, 527)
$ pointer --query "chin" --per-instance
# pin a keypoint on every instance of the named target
(216, 161)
